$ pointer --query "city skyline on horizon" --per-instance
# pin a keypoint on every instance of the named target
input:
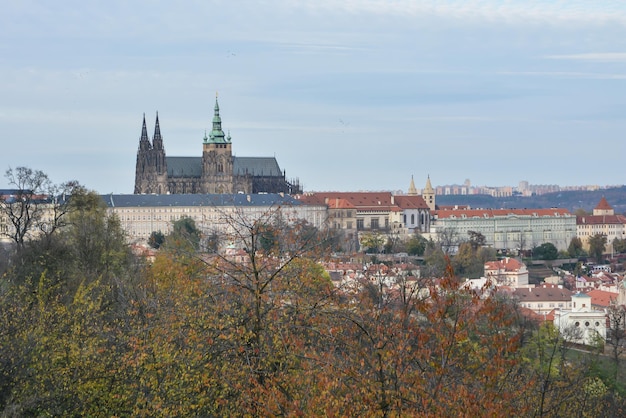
(354, 96)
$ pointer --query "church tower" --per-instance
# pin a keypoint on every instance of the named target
(412, 188)
(144, 168)
(159, 159)
(217, 158)
(428, 194)
(151, 168)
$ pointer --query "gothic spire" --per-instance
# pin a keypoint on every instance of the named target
(144, 141)
(157, 140)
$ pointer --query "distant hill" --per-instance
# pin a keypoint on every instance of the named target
(571, 200)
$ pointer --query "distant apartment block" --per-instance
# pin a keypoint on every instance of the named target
(523, 188)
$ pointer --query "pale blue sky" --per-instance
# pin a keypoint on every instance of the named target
(349, 95)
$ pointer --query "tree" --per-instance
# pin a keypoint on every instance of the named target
(448, 239)
(156, 239)
(38, 205)
(476, 239)
(372, 241)
(616, 335)
(184, 234)
(466, 262)
(546, 251)
(597, 245)
(575, 248)
(619, 245)
(416, 245)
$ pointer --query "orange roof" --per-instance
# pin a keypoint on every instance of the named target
(506, 264)
(493, 213)
(601, 220)
(410, 202)
(601, 297)
(603, 205)
(366, 201)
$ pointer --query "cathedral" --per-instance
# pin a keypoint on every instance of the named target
(217, 171)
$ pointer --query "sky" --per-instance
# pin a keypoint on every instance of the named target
(348, 95)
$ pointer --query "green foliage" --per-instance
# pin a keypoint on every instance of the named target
(372, 242)
(546, 251)
(416, 245)
(156, 239)
(85, 332)
(575, 248)
(185, 236)
(597, 245)
(619, 245)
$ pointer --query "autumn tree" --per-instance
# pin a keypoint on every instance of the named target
(476, 239)
(372, 241)
(37, 206)
(616, 335)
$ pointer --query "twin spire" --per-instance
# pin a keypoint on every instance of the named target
(216, 135)
(157, 139)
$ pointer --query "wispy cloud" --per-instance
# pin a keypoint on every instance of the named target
(592, 56)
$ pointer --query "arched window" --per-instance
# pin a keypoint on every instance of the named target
(412, 219)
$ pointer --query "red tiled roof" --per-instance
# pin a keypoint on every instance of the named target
(410, 202)
(506, 264)
(367, 201)
(550, 293)
(603, 205)
(493, 213)
(601, 298)
(601, 220)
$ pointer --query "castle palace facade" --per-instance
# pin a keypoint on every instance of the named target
(217, 171)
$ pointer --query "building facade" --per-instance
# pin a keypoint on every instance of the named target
(217, 171)
(604, 221)
(509, 229)
(507, 272)
(141, 215)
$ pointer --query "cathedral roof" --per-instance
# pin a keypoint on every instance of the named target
(256, 166)
(184, 166)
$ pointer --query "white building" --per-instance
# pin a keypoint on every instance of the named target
(581, 324)
(140, 215)
(507, 272)
(509, 229)
(603, 221)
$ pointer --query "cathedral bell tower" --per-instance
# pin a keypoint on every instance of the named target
(217, 158)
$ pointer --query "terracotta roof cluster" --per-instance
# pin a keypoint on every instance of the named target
(506, 264)
(364, 201)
